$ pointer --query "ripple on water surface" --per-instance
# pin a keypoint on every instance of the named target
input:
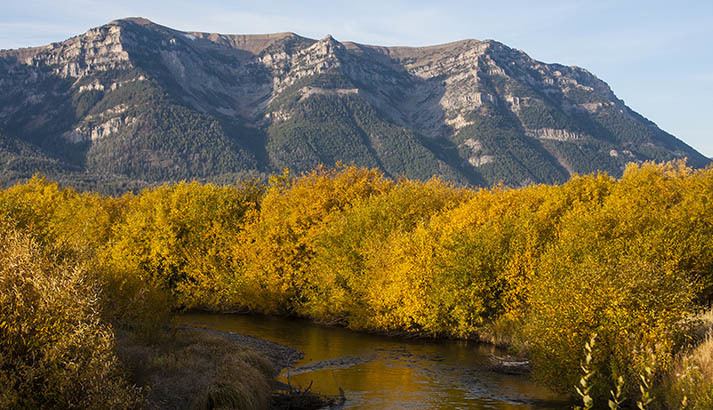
(378, 372)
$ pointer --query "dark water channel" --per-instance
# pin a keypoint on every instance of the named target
(379, 372)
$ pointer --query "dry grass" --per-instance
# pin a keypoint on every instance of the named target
(702, 357)
(692, 378)
(706, 321)
(194, 369)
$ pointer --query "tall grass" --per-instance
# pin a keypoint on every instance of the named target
(690, 382)
(584, 388)
(195, 369)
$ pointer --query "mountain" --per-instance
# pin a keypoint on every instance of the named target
(133, 102)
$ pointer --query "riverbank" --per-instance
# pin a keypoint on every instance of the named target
(284, 396)
(189, 367)
(378, 371)
(279, 355)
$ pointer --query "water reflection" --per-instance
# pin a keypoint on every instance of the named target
(378, 372)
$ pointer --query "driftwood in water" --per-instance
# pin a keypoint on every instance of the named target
(509, 365)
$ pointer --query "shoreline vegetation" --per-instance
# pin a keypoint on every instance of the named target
(88, 283)
(214, 369)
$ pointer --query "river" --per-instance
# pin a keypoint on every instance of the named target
(380, 372)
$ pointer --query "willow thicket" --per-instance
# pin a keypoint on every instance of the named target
(539, 268)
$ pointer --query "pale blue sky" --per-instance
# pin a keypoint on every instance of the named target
(656, 55)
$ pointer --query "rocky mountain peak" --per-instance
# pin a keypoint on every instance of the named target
(99, 49)
(139, 100)
(142, 21)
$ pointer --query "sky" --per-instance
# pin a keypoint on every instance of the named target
(656, 55)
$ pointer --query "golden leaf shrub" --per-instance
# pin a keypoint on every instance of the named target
(55, 351)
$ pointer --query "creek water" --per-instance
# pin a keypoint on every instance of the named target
(380, 372)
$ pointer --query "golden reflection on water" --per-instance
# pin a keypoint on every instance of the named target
(378, 372)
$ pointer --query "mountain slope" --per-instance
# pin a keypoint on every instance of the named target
(133, 100)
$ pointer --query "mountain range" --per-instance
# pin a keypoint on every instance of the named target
(133, 103)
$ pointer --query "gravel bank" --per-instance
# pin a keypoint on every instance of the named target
(281, 356)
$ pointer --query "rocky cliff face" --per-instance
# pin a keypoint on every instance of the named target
(136, 100)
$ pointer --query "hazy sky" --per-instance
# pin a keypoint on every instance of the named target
(656, 55)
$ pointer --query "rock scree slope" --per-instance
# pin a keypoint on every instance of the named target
(133, 102)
